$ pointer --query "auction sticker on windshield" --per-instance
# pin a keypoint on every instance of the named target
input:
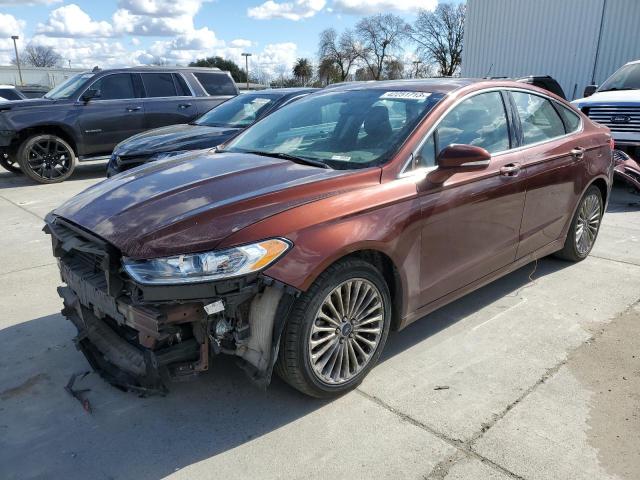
(419, 96)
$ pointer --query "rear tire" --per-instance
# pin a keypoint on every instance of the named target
(9, 163)
(336, 330)
(584, 227)
(46, 158)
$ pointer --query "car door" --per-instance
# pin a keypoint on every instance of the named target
(553, 157)
(470, 220)
(116, 113)
(167, 101)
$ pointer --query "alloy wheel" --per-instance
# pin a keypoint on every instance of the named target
(49, 159)
(587, 224)
(346, 331)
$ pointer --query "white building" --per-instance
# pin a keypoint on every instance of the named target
(48, 77)
(578, 42)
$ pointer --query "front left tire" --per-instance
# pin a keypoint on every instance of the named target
(46, 158)
(336, 330)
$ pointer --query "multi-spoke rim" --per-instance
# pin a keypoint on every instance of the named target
(588, 223)
(49, 158)
(346, 331)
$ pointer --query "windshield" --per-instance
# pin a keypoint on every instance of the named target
(67, 88)
(342, 129)
(627, 78)
(240, 111)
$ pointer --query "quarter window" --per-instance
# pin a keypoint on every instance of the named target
(539, 120)
(216, 83)
(159, 85)
(479, 120)
(114, 87)
(571, 119)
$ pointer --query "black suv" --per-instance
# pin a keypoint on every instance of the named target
(87, 115)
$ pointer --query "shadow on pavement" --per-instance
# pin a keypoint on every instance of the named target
(83, 171)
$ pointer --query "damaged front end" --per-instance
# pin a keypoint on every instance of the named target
(141, 337)
(626, 169)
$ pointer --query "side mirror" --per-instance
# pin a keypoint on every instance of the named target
(90, 94)
(463, 157)
(589, 90)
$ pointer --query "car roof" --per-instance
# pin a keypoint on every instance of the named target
(283, 91)
(433, 85)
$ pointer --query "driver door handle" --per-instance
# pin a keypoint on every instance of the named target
(510, 170)
(133, 109)
(184, 105)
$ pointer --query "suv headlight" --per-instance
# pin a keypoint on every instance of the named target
(201, 267)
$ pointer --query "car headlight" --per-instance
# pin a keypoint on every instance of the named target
(201, 267)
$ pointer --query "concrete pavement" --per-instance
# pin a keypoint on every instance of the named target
(533, 371)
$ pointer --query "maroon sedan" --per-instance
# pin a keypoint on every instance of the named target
(301, 244)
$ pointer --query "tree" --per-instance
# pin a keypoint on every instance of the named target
(302, 71)
(393, 69)
(39, 56)
(381, 37)
(439, 35)
(230, 66)
(328, 72)
(341, 51)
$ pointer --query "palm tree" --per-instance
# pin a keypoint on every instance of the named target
(303, 71)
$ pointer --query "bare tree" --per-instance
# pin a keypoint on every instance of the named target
(381, 37)
(393, 69)
(39, 56)
(340, 51)
(439, 35)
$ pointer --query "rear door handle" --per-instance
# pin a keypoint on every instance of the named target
(578, 153)
(510, 170)
(133, 109)
(184, 105)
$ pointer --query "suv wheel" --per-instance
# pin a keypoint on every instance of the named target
(9, 163)
(46, 158)
(336, 330)
(584, 227)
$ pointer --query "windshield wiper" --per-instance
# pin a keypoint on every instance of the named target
(293, 158)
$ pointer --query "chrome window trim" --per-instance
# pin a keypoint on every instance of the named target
(404, 171)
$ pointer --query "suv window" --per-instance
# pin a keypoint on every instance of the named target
(159, 85)
(181, 85)
(114, 87)
(216, 83)
(571, 119)
(539, 120)
(480, 120)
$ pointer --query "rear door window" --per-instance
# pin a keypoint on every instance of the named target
(539, 120)
(181, 86)
(480, 120)
(159, 85)
(216, 83)
(117, 86)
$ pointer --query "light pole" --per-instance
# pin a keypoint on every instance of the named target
(416, 63)
(246, 63)
(15, 47)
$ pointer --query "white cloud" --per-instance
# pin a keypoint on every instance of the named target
(9, 25)
(73, 22)
(294, 10)
(88, 52)
(367, 7)
(135, 41)
(161, 8)
(145, 25)
(240, 43)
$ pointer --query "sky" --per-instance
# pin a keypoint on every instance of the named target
(113, 33)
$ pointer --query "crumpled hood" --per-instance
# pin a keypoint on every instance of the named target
(190, 203)
(174, 138)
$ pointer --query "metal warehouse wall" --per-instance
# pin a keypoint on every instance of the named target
(49, 77)
(551, 37)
